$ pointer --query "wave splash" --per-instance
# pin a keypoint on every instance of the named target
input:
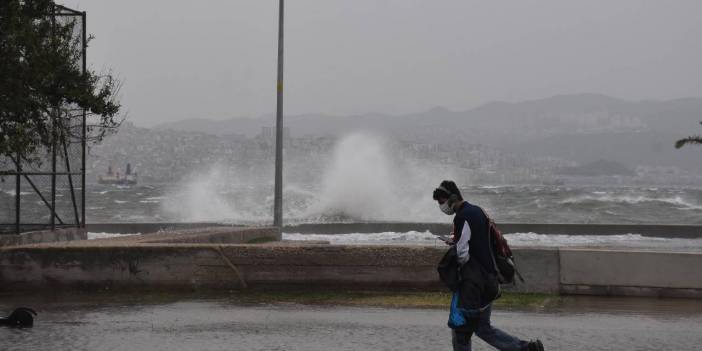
(363, 182)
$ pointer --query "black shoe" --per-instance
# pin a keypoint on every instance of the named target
(21, 317)
(535, 346)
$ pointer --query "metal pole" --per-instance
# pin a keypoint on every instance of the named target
(278, 203)
(54, 119)
(36, 190)
(17, 195)
(82, 170)
(53, 173)
(70, 181)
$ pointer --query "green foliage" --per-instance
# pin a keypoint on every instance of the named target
(43, 87)
(695, 139)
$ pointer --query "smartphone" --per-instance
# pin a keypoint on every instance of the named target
(445, 238)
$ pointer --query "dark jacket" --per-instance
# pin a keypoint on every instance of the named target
(479, 286)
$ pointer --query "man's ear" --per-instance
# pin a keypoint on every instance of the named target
(453, 198)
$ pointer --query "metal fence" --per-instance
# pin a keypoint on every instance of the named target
(51, 194)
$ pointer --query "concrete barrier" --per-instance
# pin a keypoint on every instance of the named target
(540, 269)
(45, 236)
(206, 258)
(215, 266)
(608, 272)
(149, 227)
(211, 235)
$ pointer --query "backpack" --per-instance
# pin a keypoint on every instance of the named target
(501, 254)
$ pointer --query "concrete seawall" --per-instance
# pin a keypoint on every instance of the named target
(210, 260)
(644, 273)
(67, 234)
(215, 266)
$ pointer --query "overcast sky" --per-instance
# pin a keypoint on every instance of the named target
(217, 59)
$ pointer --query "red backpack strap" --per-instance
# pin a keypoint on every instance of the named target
(496, 237)
(490, 221)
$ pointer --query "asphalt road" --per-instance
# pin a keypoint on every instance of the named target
(222, 325)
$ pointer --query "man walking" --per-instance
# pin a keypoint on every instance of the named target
(479, 286)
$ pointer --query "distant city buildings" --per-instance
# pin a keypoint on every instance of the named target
(169, 156)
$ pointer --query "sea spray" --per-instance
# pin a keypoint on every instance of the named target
(223, 195)
(363, 182)
(359, 182)
(199, 198)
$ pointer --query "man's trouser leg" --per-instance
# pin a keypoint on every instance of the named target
(460, 340)
(495, 337)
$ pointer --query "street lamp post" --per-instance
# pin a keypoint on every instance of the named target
(278, 201)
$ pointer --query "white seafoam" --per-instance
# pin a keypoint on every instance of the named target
(514, 239)
(426, 238)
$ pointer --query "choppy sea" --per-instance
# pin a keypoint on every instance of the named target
(253, 205)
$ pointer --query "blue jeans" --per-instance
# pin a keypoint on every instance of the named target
(493, 336)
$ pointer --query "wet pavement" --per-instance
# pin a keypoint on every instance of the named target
(220, 324)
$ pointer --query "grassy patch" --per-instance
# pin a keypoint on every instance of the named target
(378, 298)
(344, 297)
(395, 298)
(515, 300)
(261, 240)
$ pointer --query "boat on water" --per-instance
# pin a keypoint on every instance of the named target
(115, 178)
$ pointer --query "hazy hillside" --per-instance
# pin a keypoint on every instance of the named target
(631, 149)
(563, 114)
(581, 128)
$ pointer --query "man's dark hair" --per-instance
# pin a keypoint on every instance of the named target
(446, 189)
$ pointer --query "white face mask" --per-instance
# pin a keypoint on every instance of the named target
(445, 208)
